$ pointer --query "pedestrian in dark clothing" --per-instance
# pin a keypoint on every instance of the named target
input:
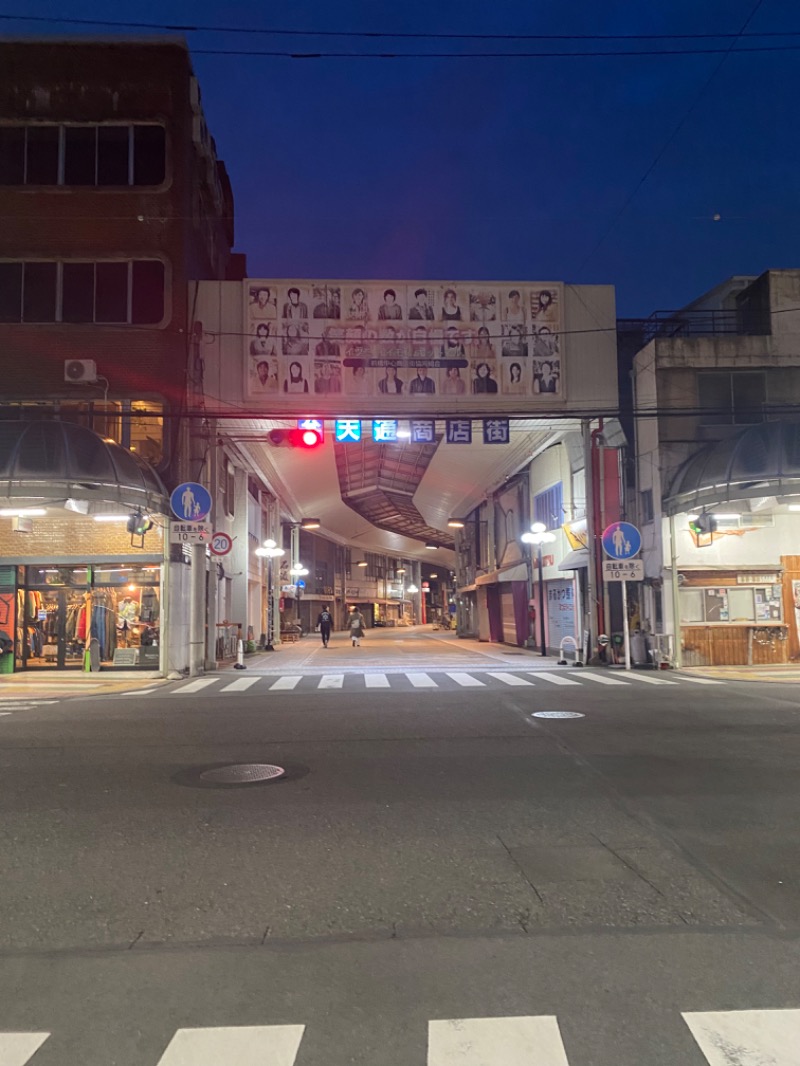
(324, 625)
(356, 627)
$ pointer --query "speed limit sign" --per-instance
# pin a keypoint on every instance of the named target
(220, 544)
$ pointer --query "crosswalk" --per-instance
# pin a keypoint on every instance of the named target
(723, 1038)
(443, 680)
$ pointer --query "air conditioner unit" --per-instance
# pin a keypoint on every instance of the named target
(80, 371)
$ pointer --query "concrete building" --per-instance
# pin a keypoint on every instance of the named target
(716, 391)
(114, 206)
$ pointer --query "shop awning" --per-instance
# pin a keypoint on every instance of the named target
(519, 572)
(575, 560)
(762, 460)
(58, 461)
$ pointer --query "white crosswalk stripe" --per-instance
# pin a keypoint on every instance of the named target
(331, 681)
(701, 680)
(285, 684)
(421, 681)
(241, 684)
(376, 681)
(648, 680)
(251, 1045)
(602, 679)
(747, 1037)
(522, 1041)
(196, 686)
(465, 680)
(18, 1048)
(554, 679)
(510, 679)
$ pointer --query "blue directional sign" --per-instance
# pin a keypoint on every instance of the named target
(621, 540)
(190, 502)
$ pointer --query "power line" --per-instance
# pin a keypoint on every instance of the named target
(179, 27)
(672, 136)
(608, 54)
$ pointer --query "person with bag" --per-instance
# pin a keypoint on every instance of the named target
(324, 625)
(356, 627)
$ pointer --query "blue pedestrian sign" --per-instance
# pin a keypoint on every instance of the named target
(190, 502)
(621, 540)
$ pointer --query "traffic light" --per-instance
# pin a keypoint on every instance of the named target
(702, 523)
(295, 438)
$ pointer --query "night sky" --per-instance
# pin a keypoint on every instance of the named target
(498, 168)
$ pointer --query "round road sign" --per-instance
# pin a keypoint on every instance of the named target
(220, 544)
(621, 540)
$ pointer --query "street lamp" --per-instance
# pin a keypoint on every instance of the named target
(539, 535)
(298, 570)
(269, 552)
(412, 590)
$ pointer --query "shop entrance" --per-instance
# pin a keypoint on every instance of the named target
(113, 609)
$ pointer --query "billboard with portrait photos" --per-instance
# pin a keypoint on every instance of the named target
(417, 343)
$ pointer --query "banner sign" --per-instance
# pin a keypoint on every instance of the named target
(417, 339)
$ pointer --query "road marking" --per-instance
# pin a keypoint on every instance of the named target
(602, 679)
(18, 1048)
(747, 1037)
(496, 1042)
(283, 684)
(331, 681)
(376, 681)
(554, 679)
(650, 680)
(510, 679)
(240, 684)
(247, 1045)
(136, 692)
(195, 686)
(421, 681)
(700, 680)
(466, 680)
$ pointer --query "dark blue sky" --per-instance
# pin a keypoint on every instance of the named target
(497, 168)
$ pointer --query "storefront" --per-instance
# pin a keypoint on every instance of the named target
(78, 590)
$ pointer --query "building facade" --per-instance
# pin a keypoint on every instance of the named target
(716, 388)
(114, 206)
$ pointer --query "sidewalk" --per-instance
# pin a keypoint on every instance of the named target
(67, 683)
(784, 673)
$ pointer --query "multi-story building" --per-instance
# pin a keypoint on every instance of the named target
(716, 392)
(113, 207)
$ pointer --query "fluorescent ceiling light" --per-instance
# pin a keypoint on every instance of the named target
(794, 506)
(111, 517)
(456, 523)
(22, 512)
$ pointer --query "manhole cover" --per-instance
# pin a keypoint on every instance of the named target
(557, 714)
(242, 774)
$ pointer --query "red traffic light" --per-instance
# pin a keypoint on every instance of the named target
(294, 438)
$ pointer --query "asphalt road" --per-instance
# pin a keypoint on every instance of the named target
(441, 878)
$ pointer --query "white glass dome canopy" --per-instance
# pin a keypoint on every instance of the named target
(58, 461)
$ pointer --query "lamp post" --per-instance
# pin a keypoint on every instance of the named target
(412, 590)
(539, 535)
(269, 552)
(298, 570)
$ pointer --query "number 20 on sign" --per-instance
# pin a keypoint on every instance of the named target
(220, 544)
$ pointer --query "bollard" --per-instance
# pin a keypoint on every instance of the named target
(239, 664)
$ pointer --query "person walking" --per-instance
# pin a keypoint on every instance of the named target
(324, 625)
(356, 627)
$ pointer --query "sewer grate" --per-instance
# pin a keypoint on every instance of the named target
(242, 774)
(557, 714)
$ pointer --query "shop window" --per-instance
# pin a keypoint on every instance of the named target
(146, 436)
(732, 605)
(84, 154)
(735, 398)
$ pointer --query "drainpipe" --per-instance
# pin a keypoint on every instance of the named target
(676, 603)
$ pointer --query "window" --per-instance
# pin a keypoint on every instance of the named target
(548, 506)
(734, 605)
(86, 154)
(114, 292)
(646, 508)
(735, 398)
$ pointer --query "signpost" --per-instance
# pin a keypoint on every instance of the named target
(622, 542)
(221, 544)
(191, 503)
